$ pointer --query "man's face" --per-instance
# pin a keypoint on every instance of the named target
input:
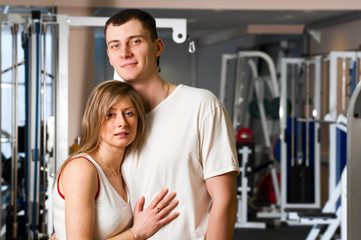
(131, 51)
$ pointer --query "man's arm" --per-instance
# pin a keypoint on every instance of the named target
(223, 191)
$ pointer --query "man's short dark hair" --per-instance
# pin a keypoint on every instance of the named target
(147, 20)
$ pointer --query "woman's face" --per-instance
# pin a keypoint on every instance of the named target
(120, 126)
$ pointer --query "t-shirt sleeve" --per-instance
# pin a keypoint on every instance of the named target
(217, 144)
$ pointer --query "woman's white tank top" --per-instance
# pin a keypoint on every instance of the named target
(112, 215)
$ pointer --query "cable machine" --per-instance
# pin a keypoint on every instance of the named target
(31, 152)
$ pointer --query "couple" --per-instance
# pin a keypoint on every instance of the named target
(183, 143)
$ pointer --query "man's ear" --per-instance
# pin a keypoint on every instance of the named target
(109, 57)
(159, 47)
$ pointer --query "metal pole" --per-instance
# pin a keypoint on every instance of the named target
(307, 113)
(293, 115)
(14, 142)
(343, 87)
(43, 223)
(1, 162)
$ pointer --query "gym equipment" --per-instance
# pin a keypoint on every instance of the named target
(341, 71)
(266, 188)
(245, 135)
(248, 83)
(333, 214)
(300, 150)
(244, 152)
(354, 164)
(14, 155)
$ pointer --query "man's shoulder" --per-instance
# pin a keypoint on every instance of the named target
(194, 93)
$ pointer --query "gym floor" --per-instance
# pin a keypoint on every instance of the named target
(273, 233)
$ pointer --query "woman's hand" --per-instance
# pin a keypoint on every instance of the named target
(53, 237)
(155, 216)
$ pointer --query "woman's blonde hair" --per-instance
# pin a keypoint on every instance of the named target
(102, 97)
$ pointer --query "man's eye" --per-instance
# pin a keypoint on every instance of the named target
(115, 46)
(135, 42)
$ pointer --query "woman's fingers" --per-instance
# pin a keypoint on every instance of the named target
(139, 205)
(158, 198)
(156, 215)
(163, 203)
(168, 219)
(168, 208)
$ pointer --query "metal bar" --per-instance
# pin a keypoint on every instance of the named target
(307, 114)
(271, 68)
(178, 25)
(43, 223)
(14, 142)
(61, 121)
(222, 88)
(36, 150)
(1, 162)
(293, 162)
(343, 87)
(317, 137)
(316, 121)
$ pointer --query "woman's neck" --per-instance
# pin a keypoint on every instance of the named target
(110, 159)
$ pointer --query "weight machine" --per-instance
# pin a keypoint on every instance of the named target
(333, 78)
(44, 80)
(243, 90)
(300, 149)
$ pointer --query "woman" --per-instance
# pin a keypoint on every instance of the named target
(90, 199)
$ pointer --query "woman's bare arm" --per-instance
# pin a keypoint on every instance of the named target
(79, 185)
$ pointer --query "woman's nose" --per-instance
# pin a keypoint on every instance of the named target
(121, 121)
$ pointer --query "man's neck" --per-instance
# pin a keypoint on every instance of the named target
(152, 91)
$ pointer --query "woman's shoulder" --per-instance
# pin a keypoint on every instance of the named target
(81, 166)
(79, 177)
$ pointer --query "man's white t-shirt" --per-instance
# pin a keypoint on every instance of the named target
(188, 139)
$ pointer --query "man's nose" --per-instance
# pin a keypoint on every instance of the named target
(125, 51)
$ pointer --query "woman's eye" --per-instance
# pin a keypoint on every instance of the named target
(129, 114)
(109, 115)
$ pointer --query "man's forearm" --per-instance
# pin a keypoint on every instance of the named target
(222, 220)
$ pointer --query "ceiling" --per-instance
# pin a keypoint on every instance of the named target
(201, 23)
(205, 23)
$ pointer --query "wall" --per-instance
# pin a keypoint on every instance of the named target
(341, 37)
(81, 69)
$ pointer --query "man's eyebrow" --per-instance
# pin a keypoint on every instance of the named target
(130, 37)
(112, 41)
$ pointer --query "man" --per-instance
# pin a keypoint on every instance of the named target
(189, 145)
